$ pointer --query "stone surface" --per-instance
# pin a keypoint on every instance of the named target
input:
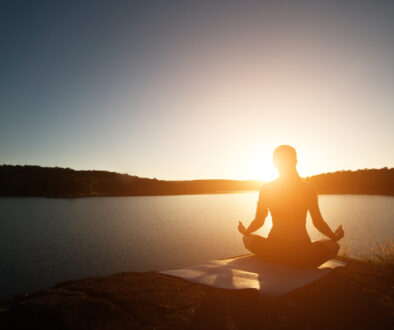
(359, 296)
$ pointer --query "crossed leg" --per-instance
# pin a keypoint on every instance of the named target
(313, 256)
(323, 250)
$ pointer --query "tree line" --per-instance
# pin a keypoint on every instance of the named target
(367, 181)
(16, 180)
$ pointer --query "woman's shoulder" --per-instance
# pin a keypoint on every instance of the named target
(308, 188)
(268, 188)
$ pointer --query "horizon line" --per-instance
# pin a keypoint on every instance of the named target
(212, 179)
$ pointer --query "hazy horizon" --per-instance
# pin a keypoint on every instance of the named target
(204, 90)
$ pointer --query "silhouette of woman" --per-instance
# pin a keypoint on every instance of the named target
(288, 199)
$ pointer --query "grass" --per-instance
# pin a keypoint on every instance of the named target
(373, 251)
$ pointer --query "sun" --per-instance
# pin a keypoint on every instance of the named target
(260, 167)
(266, 172)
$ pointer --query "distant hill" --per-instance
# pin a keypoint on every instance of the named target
(64, 182)
(367, 181)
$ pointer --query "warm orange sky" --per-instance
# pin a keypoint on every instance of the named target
(208, 90)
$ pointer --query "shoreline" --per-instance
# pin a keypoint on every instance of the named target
(57, 182)
(172, 194)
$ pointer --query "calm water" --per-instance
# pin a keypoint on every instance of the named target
(46, 241)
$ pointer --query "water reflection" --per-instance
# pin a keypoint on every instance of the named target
(44, 241)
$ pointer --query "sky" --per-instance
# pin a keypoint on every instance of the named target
(197, 89)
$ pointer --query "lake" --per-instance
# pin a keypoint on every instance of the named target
(46, 241)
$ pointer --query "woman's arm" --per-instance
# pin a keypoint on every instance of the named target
(259, 219)
(319, 222)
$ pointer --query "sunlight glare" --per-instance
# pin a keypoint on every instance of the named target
(260, 167)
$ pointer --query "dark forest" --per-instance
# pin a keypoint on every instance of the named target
(64, 182)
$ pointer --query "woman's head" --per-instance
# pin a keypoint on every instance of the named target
(285, 159)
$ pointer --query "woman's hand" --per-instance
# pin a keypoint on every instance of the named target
(339, 233)
(241, 228)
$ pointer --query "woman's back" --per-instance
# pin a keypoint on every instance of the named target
(288, 202)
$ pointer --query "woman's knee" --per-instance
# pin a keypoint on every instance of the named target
(333, 248)
(247, 239)
(326, 249)
(252, 242)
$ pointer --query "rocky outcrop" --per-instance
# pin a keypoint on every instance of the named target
(359, 296)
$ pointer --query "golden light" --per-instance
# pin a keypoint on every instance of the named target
(260, 167)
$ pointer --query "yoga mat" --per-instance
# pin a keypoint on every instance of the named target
(249, 272)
